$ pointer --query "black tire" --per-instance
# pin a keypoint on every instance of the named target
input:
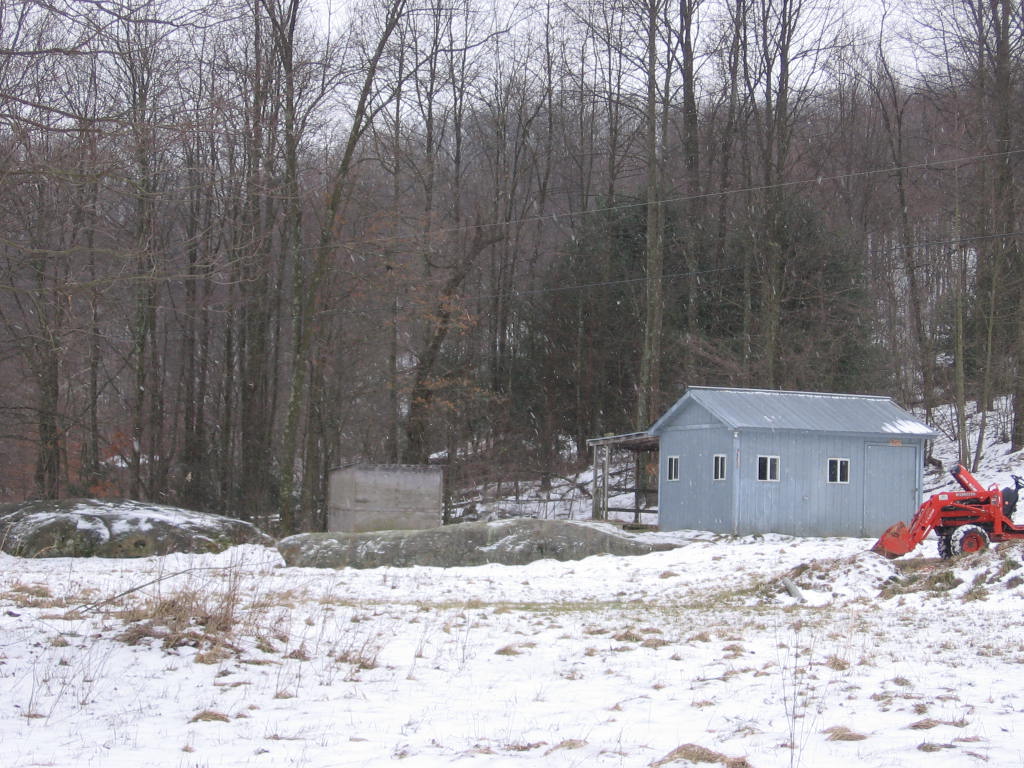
(945, 546)
(968, 539)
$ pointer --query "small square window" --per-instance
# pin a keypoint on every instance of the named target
(768, 468)
(719, 472)
(673, 468)
(839, 470)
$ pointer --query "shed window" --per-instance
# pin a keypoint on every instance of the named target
(839, 470)
(719, 466)
(768, 468)
(673, 468)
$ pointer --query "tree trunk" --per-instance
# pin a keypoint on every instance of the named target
(650, 354)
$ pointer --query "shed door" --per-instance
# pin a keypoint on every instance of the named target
(890, 486)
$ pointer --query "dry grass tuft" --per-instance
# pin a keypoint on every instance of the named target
(31, 590)
(135, 633)
(733, 650)
(299, 654)
(200, 615)
(361, 655)
(216, 654)
(842, 733)
(566, 744)
(22, 595)
(927, 576)
(694, 753)
(525, 747)
(928, 746)
(212, 613)
(654, 642)
(628, 636)
(928, 723)
(209, 716)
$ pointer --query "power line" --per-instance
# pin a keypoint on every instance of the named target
(581, 287)
(938, 165)
(942, 165)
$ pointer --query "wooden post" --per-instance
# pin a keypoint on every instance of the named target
(640, 476)
(446, 495)
(604, 481)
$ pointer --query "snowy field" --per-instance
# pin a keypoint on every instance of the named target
(764, 651)
(695, 654)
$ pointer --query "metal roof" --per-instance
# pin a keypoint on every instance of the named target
(807, 411)
(634, 441)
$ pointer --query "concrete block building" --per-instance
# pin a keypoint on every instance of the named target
(382, 497)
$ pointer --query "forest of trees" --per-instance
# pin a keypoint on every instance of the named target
(244, 241)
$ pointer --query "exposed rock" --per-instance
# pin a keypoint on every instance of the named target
(91, 528)
(509, 542)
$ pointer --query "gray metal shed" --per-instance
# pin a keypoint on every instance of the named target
(802, 463)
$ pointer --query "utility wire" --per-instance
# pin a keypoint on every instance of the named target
(352, 245)
(700, 272)
(936, 165)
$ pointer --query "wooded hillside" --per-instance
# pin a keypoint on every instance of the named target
(244, 241)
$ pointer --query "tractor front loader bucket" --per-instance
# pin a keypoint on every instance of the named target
(895, 541)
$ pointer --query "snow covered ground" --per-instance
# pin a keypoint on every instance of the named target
(233, 660)
(764, 651)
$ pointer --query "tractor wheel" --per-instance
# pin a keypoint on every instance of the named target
(968, 539)
(945, 545)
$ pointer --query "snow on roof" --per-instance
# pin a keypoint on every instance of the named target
(907, 427)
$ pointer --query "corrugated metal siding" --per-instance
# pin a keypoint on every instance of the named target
(696, 415)
(769, 409)
(696, 501)
(892, 484)
(804, 431)
(884, 486)
(802, 502)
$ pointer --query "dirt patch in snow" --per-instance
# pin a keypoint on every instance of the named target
(863, 575)
(866, 575)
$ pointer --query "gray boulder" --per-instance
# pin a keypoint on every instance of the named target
(92, 528)
(509, 542)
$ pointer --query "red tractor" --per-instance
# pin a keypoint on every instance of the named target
(965, 521)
